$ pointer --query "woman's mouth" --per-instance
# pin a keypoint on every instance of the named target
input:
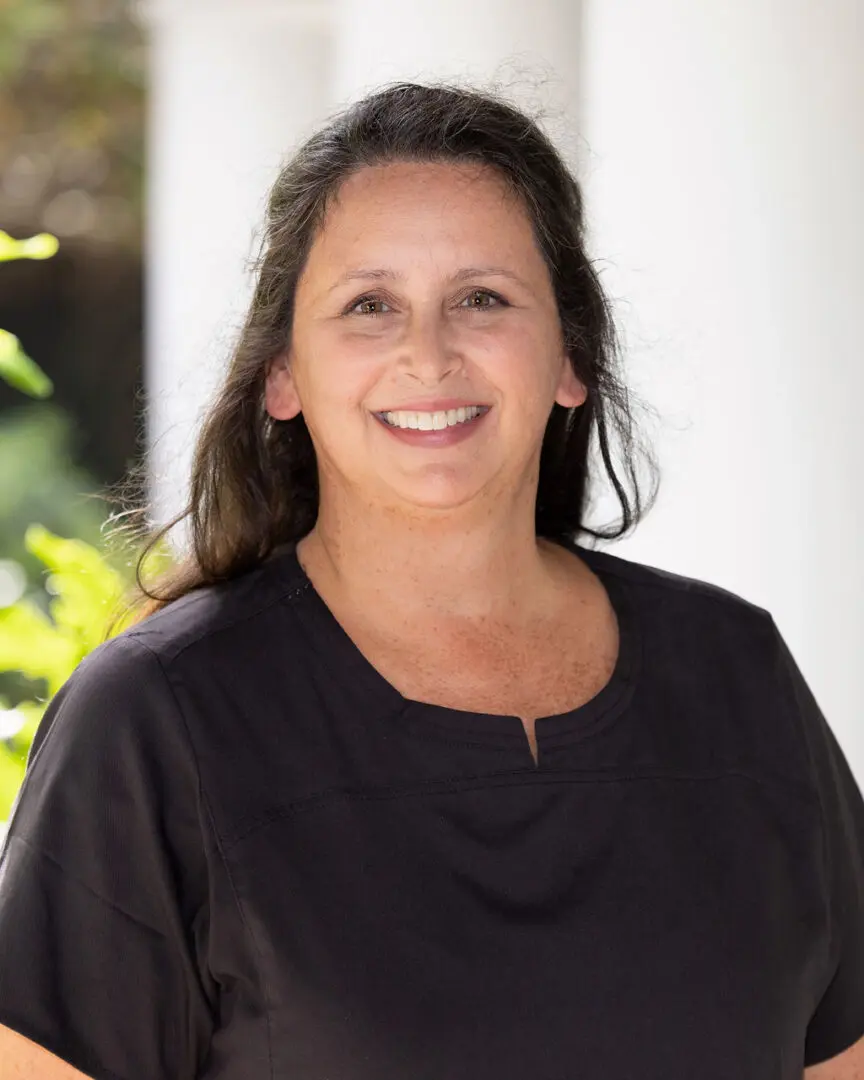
(433, 429)
(432, 421)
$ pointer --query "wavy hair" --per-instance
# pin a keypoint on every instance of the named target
(254, 484)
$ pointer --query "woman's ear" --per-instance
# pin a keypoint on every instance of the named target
(571, 390)
(280, 392)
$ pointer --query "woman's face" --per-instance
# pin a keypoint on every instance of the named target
(424, 293)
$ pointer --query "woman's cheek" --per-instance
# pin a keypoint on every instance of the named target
(349, 382)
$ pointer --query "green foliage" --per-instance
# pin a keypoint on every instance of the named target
(41, 246)
(16, 367)
(19, 370)
(42, 646)
(86, 593)
(39, 481)
(14, 749)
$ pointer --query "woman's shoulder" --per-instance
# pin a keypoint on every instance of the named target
(708, 652)
(245, 609)
(690, 620)
(675, 592)
(129, 693)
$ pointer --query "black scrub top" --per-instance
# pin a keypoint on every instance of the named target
(240, 854)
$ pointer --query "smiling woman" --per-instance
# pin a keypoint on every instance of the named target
(395, 778)
(429, 349)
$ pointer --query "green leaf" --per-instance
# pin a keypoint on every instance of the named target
(19, 370)
(32, 644)
(86, 589)
(41, 246)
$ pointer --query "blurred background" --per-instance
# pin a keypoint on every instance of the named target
(73, 82)
(721, 151)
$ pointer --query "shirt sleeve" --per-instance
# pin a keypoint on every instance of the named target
(838, 1019)
(103, 879)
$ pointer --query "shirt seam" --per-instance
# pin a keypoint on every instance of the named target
(508, 778)
(218, 845)
(138, 633)
(642, 574)
(803, 742)
(256, 950)
(16, 837)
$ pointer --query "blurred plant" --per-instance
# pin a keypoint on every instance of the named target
(47, 647)
(40, 481)
(37, 477)
(73, 75)
(88, 606)
(16, 367)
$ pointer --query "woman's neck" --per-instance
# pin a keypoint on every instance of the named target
(418, 571)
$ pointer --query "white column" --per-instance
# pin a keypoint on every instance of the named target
(530, 48)
(725, 194)
(234, 86)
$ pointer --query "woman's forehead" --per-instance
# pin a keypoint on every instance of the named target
(459, 212)
(376, 192)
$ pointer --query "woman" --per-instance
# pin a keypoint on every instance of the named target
(397, 780)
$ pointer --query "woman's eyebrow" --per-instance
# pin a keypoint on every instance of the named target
(490, 271)
(365, 274)
(383, 274)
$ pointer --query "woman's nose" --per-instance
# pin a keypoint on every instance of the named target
(428, 351)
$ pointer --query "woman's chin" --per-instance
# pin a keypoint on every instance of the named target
(440, 492)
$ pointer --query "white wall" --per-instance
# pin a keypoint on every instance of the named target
(233, 87)
(532, 49)
(725, 193)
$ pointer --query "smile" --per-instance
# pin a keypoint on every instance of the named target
(432, 421)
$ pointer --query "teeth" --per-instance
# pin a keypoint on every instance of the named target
(434, 421)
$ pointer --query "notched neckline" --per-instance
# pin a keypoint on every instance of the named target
(499, 730)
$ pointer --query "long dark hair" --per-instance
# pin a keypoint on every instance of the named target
(254, 482)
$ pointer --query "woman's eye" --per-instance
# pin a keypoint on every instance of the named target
(364, 304)
(478, 299)
(479, 295)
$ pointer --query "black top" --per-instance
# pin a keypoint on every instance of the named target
(239, 853)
